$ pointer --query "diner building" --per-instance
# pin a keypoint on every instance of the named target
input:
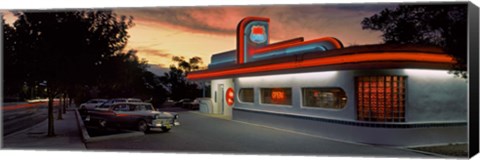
(396, 95)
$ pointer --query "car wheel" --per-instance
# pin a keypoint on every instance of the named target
(142, 126)
(165, 129)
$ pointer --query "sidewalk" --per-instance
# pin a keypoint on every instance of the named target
(66, 130)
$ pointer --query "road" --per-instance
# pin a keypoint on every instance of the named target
(21, 116)
(203, 134)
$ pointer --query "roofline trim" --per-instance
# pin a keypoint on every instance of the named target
(326, 61)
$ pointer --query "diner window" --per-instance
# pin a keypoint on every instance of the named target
(282, 96)
(381, 98)
(246, 95)
(334, 98)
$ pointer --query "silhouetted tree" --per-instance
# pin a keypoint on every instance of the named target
(192, 64)
(65, 49)
(155, 89)
(176, 79)
(443, 25)
(13, 68)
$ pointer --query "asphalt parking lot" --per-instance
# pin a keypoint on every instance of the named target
(204, 134)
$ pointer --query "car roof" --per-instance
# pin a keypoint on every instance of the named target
(144, 103)
(99, 99)
(126, 98)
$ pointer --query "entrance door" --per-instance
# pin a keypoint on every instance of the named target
(221, 102)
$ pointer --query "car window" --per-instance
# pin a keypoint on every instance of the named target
(134, 100)
(104, 106)
(140, 108)
(120, 100)
(121, 108)
(143, 107)
(131, 107)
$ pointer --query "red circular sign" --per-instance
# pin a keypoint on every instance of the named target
(230, 96)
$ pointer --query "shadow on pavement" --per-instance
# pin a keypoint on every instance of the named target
(96, 132)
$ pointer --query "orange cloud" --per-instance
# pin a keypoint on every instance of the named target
(162, 32)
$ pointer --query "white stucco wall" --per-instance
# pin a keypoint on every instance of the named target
(431, 95)
(216, 96)
(435, 96)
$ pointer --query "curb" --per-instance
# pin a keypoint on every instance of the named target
(81, 127)
(123, 135)
(86, 137)
(428, 153)
(412, 148)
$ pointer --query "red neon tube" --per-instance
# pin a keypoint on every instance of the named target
(343, 59)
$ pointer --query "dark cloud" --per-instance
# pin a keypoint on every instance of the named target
(223, 19)
(154, 52)
(287, 21)
(158, 69)
(369, 7)
(185, 17)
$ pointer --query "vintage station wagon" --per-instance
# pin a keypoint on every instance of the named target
(137, 115)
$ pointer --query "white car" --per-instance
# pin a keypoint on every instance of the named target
(119, 100)
(137, 115)
(92, 104)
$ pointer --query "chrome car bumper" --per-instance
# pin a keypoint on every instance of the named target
(157, 123)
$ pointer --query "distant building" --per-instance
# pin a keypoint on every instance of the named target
(400, 95)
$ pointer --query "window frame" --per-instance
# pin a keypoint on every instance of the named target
(273, 104)
(302, 96)
(253, 96)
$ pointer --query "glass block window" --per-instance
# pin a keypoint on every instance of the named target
(381, 98)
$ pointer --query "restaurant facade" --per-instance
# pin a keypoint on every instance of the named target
(396, 95)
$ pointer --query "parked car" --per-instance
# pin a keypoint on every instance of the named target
(117, 100)
(140, 116)
(191, 104)
(168, 103)
(91, 104)
(188, 103)
(181, 102)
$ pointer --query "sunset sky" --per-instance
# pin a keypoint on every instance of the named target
(162, 32)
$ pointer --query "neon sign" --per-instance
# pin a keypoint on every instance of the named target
(278, 95)
(230, 96)
(258, 34)
(253, 38)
